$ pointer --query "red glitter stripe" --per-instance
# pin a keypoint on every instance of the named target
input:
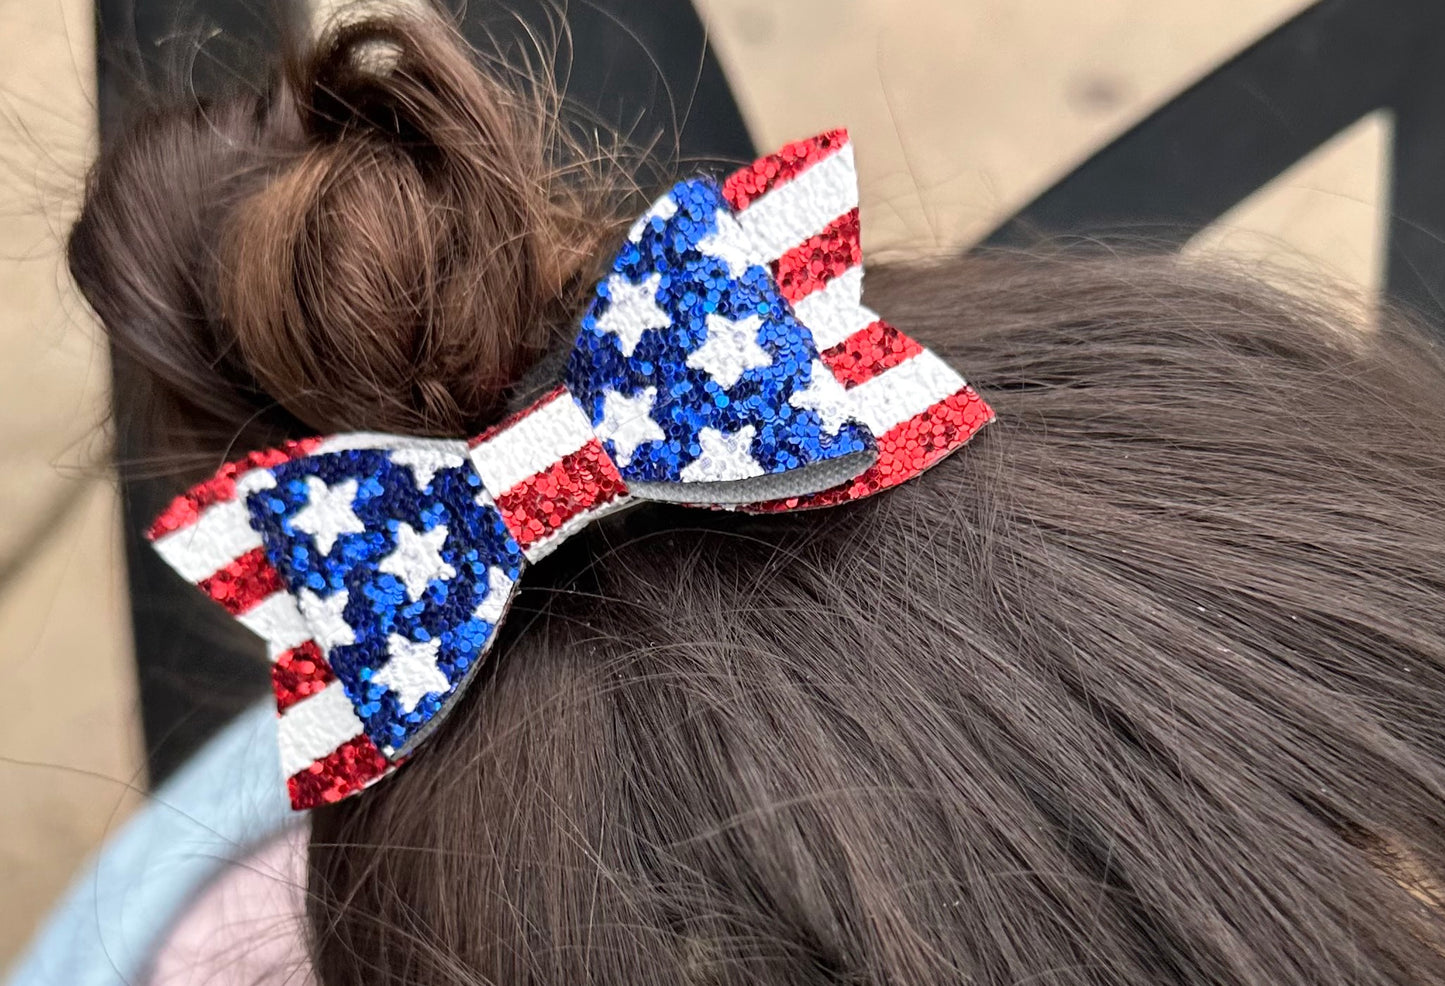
(904, 452)
(299, 673)
(186, 508)
(243, 583)
(763, 175)
(581, 481)
(868, 352)
(512, 419)
(345, 770)
(809, 266)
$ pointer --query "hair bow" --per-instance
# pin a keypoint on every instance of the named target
(726, 361)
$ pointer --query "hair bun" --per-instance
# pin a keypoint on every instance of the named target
(399, 271)
(387, 241)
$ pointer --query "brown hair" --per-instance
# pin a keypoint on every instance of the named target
(388, 240)
(1143, 687)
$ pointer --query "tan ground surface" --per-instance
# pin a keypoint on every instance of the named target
(962, 109)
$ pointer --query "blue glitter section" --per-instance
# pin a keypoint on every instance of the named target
(378, 604)
(694, 285)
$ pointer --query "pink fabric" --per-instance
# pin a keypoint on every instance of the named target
(246, 929)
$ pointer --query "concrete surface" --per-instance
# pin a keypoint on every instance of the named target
(69, 747)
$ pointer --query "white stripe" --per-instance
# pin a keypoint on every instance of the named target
(836, 311)
(273, 652)
(314, 727)
(357, 440)
(904, 391)
(499, 594)
(791, 213)
(538, 550)
(220, 535)
(664, 208)
(254, 482)
(277, 620)
(543, 438)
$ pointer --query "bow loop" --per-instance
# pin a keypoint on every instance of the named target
(696, 374)
(377, 569)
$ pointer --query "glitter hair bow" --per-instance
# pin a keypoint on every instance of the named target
(726, 361)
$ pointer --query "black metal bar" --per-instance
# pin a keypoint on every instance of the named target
(641, 68)
(1228, 135)
(1415, 263)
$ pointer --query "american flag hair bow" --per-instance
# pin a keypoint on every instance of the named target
(726, 361)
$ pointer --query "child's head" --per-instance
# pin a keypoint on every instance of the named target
(1142, 687)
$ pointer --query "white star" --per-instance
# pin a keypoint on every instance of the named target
(627, 422)
(328, 514)
(417, 559)
(664, 208)
(730, 244)
(731, 348)
(825, 396)
(324, 617)
(632, 310)
(499, 591)
(723, 457)
(411, 671)
(424, 463)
